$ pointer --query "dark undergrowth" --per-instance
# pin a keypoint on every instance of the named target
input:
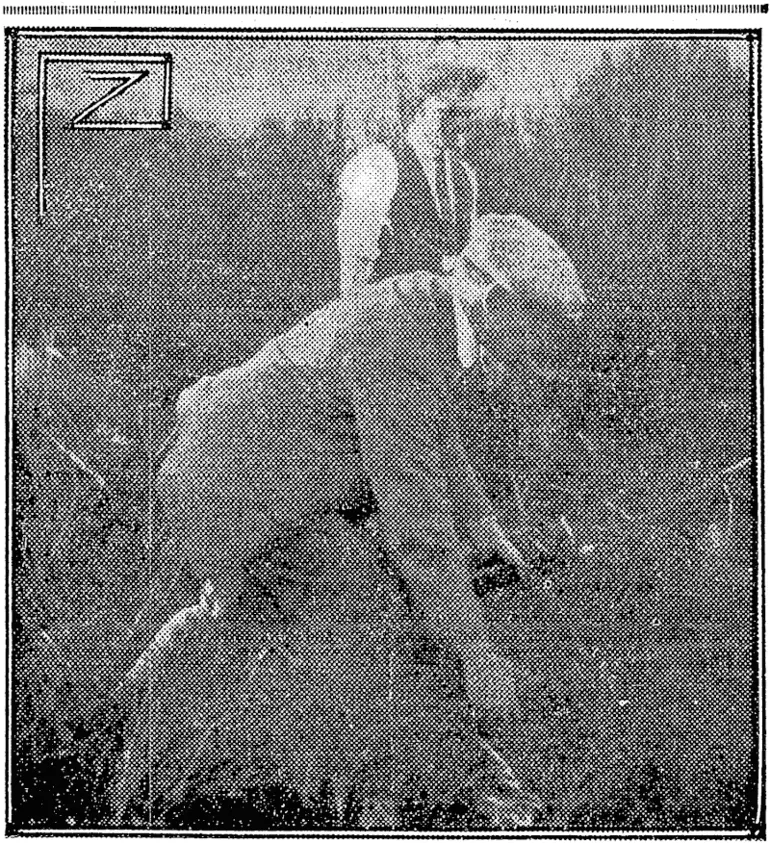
(64, 793)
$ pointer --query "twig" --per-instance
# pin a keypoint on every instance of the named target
(737, 467)
(97, 478)
(618, 511)
(500, 762)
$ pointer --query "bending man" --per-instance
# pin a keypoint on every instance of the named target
(356, 397)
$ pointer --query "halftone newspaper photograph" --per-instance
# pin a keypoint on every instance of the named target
(384, 441)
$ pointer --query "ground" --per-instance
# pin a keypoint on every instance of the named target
(642, 711)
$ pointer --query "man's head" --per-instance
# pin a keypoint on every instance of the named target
(512, 253)
(444, 92)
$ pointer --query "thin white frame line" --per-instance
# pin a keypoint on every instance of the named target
(98, 58)
(85, 127)
(725, 35)
(9, 479)
(706, 834)
(42, 72)
(744, 34)
(552, 8)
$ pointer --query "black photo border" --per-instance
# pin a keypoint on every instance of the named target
(751, 35)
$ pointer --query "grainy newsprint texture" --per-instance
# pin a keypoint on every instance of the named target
(384, 431)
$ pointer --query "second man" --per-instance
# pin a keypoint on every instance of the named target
(410, 206)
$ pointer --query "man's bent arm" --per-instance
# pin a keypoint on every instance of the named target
(367, 186)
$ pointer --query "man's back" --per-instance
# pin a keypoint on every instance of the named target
(405, 321)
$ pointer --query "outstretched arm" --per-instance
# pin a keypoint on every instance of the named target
(400, 404)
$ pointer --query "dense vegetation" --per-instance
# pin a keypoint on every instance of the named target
(169, 255)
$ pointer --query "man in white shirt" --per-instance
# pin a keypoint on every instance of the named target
(411, 206)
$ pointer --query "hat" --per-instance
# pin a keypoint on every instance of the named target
(442, 78)
(522, 258)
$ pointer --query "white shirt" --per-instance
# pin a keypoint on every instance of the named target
(468, 348)
(368, 183)
(367, 186)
